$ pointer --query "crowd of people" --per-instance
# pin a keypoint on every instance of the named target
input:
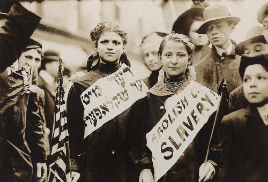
(108, 134)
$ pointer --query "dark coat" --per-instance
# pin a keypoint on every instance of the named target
(15, 154)
(15, 34)
(244, 147)
(102, 156)
(212, 69)
(237, 99)
(199, 54)
(151, 80)
(145, 114)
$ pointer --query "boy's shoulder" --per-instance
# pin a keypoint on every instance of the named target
(238, 115)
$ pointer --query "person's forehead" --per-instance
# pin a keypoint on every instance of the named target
(37, 51)
(215, 22)
(110, 36)
(253, 43)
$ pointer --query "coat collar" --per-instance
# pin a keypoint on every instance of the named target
(89, 78)
(232, 53)
(161, 89)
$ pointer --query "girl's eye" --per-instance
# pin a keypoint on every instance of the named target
(146, 55)
(154, 53)
(104, 42)
(116, 43)
(168, 55)
(181, 55)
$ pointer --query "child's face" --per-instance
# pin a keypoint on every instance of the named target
(196, 38)
(218, 33)
(174, 59)
(110, 46)
(150, 51)
(255, 49)
(30, 58)
(255, 84)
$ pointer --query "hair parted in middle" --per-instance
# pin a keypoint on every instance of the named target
(177, 38)
(107, 26)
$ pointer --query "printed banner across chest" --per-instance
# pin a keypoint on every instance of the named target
(186, 113)
(109, 97)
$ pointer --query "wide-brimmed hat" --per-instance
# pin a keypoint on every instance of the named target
(263, 11)
(181, 25)
(216, 12)
(255, 34)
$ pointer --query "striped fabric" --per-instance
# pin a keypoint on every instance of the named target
(59, 167)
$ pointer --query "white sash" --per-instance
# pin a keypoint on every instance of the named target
(186, 113)
(110, 96)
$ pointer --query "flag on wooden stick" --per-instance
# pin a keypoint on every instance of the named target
(59, 167)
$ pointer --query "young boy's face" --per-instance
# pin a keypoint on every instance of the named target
(255, 84)
(255, 49)
(218, 33)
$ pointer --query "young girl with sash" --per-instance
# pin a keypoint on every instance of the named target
(175, 55)
(101, 156)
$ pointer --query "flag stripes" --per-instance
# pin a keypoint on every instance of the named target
(59, 167)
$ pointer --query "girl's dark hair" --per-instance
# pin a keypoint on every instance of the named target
(247, 61)
(177, 38)
(107, 26)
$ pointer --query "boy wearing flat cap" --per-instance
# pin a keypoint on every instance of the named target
(254, 45)
(244, 133)
(221, 62)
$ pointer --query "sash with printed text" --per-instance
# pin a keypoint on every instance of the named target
(109, 97)
(186, 113)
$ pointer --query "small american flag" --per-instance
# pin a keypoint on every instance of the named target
(59, 167)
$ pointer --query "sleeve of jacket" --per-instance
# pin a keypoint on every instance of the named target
(139, 125)
(76, 125)
(226, 170)
(35, 127)
(15, 34)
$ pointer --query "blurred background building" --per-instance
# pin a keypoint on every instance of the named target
(66, 24)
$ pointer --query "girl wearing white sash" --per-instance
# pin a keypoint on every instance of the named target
(101, 156)
(175, 54)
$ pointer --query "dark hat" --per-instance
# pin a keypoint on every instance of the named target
(216, 12)
(32, 44)
(246, 61)
(180, 25)
(263, 11)
(255, 34)
(50, 55)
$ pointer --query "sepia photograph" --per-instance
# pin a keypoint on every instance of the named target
(133, 91)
